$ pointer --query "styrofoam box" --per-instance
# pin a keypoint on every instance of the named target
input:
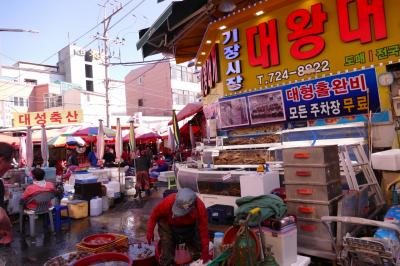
(284, 244)
(386, 160)
(302, 261)
(258, 184)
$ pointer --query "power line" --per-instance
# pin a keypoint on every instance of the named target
(127, 14)
(76, 40)
(133, 63)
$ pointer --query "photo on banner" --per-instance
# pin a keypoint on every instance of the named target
(233, 113)
(266, 107)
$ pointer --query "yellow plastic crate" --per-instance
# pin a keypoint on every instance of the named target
(77, 209)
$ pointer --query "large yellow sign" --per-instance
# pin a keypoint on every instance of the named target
(58, 117)
(307, 40)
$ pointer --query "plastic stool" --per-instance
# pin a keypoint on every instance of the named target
(172, 182)
(58, 219)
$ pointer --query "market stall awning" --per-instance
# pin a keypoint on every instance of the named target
(160, 37)
(51, 133)
(9, 139)
(179, 31)
(62, 141)
(187, 111)
(92, 131)
(142, 133)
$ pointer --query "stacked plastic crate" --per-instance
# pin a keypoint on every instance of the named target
(313, 188)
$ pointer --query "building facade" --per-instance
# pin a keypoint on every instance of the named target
(154, 90)
(76, 82)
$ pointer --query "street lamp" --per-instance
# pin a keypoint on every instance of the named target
(18, 30)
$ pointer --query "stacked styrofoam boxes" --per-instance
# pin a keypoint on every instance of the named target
(313, 188)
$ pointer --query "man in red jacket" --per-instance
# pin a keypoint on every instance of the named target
(182, 218)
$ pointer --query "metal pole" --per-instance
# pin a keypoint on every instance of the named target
(106, 24)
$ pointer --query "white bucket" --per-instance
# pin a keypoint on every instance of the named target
(106, 203)
(96, 206)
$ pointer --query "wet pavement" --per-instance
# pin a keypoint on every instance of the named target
(128, 217)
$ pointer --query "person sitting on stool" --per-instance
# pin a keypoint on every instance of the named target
(39, 185)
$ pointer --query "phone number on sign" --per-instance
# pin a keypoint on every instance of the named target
(301, 71)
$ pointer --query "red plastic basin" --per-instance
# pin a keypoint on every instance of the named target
(103, 257)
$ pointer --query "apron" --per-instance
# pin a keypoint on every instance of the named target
(183, 234)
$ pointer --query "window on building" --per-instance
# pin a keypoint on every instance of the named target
(183, 74)
(140, 102)
(53, 100)
(183, 97)
(89, 71)
(19, 101)
(140, 80)
(30, 81)
(89, 85)
(88, 56)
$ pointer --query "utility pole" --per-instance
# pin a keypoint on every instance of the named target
(106, 25)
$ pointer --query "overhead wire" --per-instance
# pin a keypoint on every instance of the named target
(154, 62)
(77, 39)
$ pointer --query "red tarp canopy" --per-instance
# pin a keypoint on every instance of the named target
(185, 129)
(189, 110)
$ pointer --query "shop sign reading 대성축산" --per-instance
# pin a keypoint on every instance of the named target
(338, 95)
(59, 117)
(308, 39)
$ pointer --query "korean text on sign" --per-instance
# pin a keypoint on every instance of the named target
(339, 95)
(48, 118)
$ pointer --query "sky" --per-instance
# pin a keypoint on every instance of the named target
(62, 21)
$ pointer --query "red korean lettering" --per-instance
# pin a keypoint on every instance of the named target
(214, 65)
(40, 118)
(56, 117)
(24, 119)
(322, 89)
(307, 92)
(305, 27)
(366, 9)
(358, 83)
(292, 94)
(72, 117)
(268, 44)
(339, 86)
